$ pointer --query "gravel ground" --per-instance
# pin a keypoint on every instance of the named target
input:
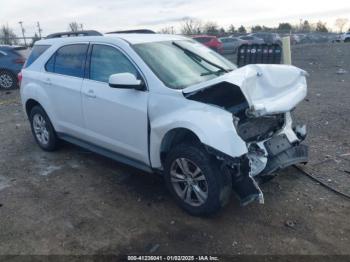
(76, 202)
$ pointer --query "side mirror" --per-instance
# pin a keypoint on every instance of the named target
(125, 80)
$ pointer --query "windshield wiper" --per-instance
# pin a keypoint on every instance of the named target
(221, 69)
(215, 72)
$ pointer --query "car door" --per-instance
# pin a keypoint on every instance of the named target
(115, 118)
(63, 81)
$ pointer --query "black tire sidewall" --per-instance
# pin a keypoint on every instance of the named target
(219, 186)
(52, 145)
(14, 79)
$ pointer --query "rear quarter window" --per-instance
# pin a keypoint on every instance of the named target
(68, 60)
(37, 51)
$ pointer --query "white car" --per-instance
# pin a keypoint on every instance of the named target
(167, 104)
(345, 37)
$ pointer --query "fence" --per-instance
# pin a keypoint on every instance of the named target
(259, 54)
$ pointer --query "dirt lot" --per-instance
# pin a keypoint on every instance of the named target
(75, 202)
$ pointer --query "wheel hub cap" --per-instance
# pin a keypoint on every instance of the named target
(189, 182)
(5, 81)
(40, 129)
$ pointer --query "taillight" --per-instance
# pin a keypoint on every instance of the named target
(19, 77)
(20, 61)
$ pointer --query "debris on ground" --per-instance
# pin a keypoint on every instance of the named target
(290, 224)
(154, 248)
(341, 71)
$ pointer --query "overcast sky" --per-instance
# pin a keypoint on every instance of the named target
(107, 15)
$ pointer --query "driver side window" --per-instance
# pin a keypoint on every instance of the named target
(106, 61)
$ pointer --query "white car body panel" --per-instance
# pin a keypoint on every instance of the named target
(168, 112)
(116, 119)
(269, 89)
(345, 36)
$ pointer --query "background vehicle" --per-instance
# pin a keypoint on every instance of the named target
(269, 38)
(231, 44)
(345, 37)
(210, 41)
(12, 59)
(167, 104)
(294, 39)
(252, 40)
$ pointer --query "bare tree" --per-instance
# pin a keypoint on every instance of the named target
(211, 28)
(74, 26)
(321, 27)
(167, 30)
(306, 27)
(242, 30)
(34, 39)
(340, 23)
(191, 27)
(7, 36)
(231, 29)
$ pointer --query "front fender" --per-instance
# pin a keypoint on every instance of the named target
(212, 125)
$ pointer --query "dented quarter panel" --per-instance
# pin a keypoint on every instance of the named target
(213, 125)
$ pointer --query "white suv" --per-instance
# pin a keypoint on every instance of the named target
(167, 104)
(345, 37)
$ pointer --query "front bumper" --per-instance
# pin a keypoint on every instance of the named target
(293, 155)
(266, 157)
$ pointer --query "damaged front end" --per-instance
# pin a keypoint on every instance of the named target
(260, 98)
(273, 150)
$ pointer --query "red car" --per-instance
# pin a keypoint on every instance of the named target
(210, 41)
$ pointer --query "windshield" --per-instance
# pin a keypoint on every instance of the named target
(180, 64)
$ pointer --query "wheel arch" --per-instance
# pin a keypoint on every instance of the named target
(30, 103)
(174, 137)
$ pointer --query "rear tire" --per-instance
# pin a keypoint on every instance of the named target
(8, 80)
(42, 129)
(347, 40)
(205, 188)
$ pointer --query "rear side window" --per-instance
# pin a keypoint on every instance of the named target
(37, 51)
(68, 60)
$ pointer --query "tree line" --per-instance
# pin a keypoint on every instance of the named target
(193, 27)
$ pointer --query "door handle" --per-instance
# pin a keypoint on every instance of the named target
(47, 81)
(91, 94)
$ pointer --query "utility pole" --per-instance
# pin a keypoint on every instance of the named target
(81, 27)
(24, 38)
(39, 29)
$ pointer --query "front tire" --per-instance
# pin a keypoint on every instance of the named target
(42, 129)
(7, 80)
(196, 180)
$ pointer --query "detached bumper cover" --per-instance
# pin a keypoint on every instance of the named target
(291, 156)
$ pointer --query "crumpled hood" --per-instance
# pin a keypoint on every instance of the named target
(269, 89)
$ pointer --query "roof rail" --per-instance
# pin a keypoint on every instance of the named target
(137, 31)
(73, 34)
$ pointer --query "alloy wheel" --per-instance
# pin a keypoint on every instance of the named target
(189, 182)
(40, 129)
(6, 80)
